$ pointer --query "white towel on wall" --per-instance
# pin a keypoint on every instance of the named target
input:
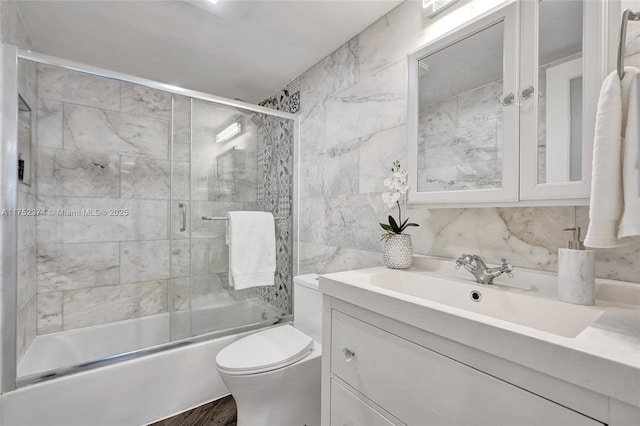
(252, 249)
(614, 211)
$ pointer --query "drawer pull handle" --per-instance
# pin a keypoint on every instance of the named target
(348, 354)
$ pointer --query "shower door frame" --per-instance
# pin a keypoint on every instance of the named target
(8, 225)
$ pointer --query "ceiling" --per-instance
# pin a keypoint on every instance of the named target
(237, 49)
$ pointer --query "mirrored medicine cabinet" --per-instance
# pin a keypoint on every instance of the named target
(502, 110)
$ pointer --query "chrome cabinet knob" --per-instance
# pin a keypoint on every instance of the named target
(526, 93)
(507, 99)
(348, 354)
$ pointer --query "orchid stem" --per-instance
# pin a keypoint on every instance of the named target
(399, 214)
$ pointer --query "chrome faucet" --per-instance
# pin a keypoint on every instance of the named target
(484, 275)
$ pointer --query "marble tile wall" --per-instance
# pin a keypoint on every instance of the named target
(352, 127)
(460, 143)
(103, 146)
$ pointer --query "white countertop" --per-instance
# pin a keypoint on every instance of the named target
(604, 357)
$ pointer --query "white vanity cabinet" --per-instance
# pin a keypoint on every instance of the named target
(378, 375)
(502, 110)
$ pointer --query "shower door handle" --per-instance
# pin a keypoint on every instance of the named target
(183, 210)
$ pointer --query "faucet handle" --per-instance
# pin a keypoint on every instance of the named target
(506, 268)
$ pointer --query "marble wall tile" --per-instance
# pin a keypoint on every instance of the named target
(339, 169)
(310, 183)
(181, 109)
(144, 178)
(208, 291)
(324, 259)
(181, 293)
(353, 221)
(101, 305)
(376, 155)
(218, 256)
(141, 100)
(480, 105)
(27, 81)
(146, 220)
(438, 118)
(182, 258)
(314, 212)
(73, 266)
(26, 224)
(49, 127)
(98, 130)
(49, 226)
(26, 277)
(144, 261)
(312, 130)
(26, 327)
(59, 84)
(373, 104)
(77, 174)
(13, 29)
(333, 74)
(181, 139)
(195, 174)
(49, 312)
(390, 38)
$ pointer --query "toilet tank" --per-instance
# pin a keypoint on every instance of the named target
(307, 306)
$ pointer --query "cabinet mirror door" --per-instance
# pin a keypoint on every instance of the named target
(462, 115)
(558, 81)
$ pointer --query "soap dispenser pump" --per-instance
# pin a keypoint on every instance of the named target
(576, 272)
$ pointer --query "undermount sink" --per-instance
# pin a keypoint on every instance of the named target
(548, 315)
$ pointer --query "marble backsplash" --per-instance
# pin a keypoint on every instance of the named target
(352, 127)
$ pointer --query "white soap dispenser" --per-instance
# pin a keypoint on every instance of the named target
(576, 272)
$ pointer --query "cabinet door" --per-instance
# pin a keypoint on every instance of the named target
(348, 409)
(462, 114)
(419, 386)
(561, 69)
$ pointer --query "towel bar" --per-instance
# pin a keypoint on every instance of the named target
(627, 16)
(224, 218)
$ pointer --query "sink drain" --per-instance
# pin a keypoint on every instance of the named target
(476, 296)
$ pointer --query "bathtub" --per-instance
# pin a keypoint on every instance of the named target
(128, 389)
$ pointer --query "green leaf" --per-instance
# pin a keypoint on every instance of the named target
(385, 227)
(412, 224)
(394, 225)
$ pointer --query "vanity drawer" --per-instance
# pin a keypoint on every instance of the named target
(419, 386)
(348, 409)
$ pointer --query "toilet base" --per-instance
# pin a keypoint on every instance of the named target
(289, 396)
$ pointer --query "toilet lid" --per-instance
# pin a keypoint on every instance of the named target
(264, 351)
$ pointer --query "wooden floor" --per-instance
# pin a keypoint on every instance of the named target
(217, 413)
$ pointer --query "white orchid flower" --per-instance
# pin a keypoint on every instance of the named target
(390, 198)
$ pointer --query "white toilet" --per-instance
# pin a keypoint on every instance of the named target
(274, 374)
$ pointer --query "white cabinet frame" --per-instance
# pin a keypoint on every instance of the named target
(594, 70)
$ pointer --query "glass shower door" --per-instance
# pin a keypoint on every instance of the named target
(181, 247)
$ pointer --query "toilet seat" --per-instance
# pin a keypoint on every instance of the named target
(264, 351)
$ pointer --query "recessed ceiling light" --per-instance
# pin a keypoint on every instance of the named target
(213, 1)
